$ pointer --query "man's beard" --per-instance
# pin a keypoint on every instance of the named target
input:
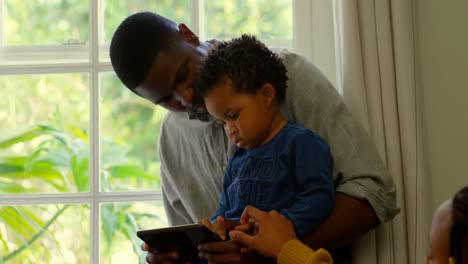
(198, 111)
(197, 106)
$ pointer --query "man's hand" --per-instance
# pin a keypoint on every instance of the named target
(228, 252)
(154, 257)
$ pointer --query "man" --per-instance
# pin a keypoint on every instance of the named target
(158, 60)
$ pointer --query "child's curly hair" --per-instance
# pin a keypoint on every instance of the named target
(247, 62)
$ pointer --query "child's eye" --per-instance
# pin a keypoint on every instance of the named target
(233, 115)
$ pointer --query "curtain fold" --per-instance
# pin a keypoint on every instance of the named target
(378, 81)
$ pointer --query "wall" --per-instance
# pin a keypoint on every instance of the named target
(442, 48)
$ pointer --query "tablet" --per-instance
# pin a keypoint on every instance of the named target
(182, 238)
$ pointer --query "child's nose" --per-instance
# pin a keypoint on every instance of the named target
(230, 129)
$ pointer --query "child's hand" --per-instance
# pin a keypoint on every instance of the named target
(274, 231)
(216, 227)
(227, 223)
(248, 226)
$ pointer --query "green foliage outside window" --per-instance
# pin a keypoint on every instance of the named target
(59, 164)
(45, 126)
(51, 22)
(267, 19)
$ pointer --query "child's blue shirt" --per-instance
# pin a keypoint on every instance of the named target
(292, 173)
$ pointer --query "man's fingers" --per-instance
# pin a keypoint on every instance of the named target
(150, 258)
(157, 257)
(146, 247)
(247, 250)
(221, 258)
(219, 247)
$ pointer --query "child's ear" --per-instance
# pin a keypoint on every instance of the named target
(268, 93)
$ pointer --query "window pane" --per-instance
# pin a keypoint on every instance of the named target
(120, 221)
(115, 11)
(55, 233)
(44, 143)
(54, 22)
(130, 131)
(270, 20)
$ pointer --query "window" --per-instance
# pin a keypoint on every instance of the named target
(79, 172)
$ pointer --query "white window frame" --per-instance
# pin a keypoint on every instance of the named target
(313, 34)
(312, 37)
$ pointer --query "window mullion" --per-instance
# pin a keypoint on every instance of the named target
(195, 17)
(95, 12)
(2, 37)
(313, 34)
(302, 28)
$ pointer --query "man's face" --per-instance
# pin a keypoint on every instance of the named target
(172, 78)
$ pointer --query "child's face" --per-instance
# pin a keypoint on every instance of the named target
(246, 117)
(440, 235)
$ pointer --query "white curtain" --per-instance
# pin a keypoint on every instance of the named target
(377, 75)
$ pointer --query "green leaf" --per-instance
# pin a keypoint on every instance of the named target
(36, 235)
(128, 171)
(79, 133)
(13, 136)
(110, 222)
(8, 187)
(80, 170)
(6, 168)
(56, 157)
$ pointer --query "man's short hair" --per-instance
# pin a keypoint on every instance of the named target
(135, 44)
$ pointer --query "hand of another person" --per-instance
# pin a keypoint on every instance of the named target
(273, 231)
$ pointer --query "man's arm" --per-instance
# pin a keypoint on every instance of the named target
(339, 228)
(358, 169)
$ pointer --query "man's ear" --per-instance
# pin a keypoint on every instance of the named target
(188, 35)
(269, 93)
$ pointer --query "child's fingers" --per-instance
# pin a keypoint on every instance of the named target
(206, 222)
(227, 223)
(245, 228)
(251, 212)
(241, 237)
(221, 231)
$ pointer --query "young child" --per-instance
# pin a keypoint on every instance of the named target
(278, 165)
(449, 231)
